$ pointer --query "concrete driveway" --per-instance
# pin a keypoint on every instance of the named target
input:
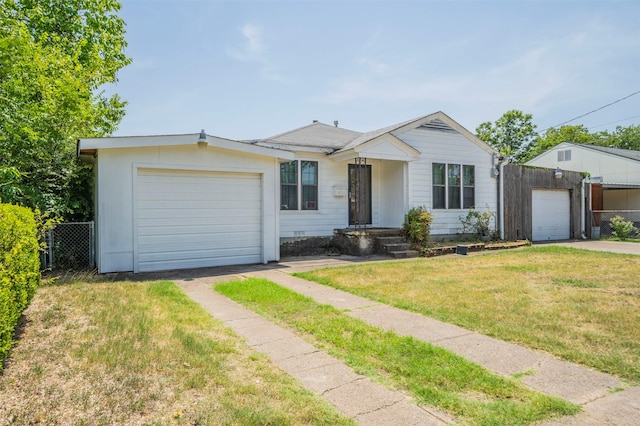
(601, 245)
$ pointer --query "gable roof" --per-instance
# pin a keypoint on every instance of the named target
(339, 142)
(625, 153)
(438, 121)
(317, 136)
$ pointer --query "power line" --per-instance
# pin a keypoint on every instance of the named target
(591, 112)
(614, 122)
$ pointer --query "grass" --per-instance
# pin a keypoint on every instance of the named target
(580, 305)
(432, 375)
(142, 353)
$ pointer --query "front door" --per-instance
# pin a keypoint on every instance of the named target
(359, 194)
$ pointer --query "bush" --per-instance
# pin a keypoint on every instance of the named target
(417, 225)
(477, 223)
(622, 229)
(19, 269)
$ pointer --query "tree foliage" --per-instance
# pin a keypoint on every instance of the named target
(56, 56)
(514, 135)
(510, 135)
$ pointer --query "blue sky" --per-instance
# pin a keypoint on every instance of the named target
(245, 70)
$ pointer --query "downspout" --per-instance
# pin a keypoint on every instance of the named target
(582, 209)
(501, 195)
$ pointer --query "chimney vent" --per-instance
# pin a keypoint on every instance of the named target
(335, 123)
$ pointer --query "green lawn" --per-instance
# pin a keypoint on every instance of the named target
(580, 305)
(143, 353)
(430, 374)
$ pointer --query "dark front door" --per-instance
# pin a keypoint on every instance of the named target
(359, 194)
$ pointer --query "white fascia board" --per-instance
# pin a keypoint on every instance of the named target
(92, 144)
(249, 148)
(136, 141)
(403, 152)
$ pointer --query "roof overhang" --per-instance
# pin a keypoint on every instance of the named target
(383, 147)
(620, 185)
(90, 146)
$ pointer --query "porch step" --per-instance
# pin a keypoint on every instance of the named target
(403, 254)
(395, 239)
(395, 246)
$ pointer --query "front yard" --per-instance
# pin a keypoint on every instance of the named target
(93, 352)
(582, 306)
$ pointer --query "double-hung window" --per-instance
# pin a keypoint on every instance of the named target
(453, 186)
(299, 181)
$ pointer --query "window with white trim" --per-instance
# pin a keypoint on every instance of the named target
(305, 173)
(564, 155)
(453, 186)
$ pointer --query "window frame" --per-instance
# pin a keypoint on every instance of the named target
(452, 191)
(302, 200)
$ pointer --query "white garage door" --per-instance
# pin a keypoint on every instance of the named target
(192, 219)
(550, 215)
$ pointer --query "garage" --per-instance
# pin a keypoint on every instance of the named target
(551, 214)
(192, 219)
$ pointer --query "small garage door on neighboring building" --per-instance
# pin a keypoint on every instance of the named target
(192, 219)
(551, 215)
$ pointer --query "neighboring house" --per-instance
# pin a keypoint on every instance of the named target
(616, 170)
(613, 179)
(183, 201)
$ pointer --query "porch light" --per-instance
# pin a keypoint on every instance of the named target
(202, 139)
(558, 173)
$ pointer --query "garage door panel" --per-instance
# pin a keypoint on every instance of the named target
(196, 263)
(189, 255)
(192, 243)
(550, 211)
(204, 229)
(240, 214)
(190, 219)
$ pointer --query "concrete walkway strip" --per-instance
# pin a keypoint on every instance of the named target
(595, 391)
(352, 394)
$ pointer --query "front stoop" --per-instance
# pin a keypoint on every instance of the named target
(395, 246)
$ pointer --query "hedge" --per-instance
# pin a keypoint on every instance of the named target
(19, 269)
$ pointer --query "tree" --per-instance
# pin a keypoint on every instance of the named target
(624, 137)
(55, 58)
(555, 136)
(510, 135)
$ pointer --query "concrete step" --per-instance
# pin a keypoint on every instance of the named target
(394, 239)
(397, 247)
(404, 254)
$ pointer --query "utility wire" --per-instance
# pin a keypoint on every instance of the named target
(614, 122)
(591, 112)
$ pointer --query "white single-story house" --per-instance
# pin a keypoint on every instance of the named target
(195, 200)
(614, 172)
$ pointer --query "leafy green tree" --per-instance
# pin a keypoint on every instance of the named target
(555, 136)
(55, 57)
(511, 134)
(624, 137)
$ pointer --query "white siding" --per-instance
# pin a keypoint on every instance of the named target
(613, 169)
(332, 211)
(116, 187)
(450, 148)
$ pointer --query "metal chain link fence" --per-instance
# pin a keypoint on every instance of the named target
(70, 246)
(602, 221)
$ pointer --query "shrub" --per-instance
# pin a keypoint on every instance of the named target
(417, 225)
(477, 223)
(19, 269)
(622, 229)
